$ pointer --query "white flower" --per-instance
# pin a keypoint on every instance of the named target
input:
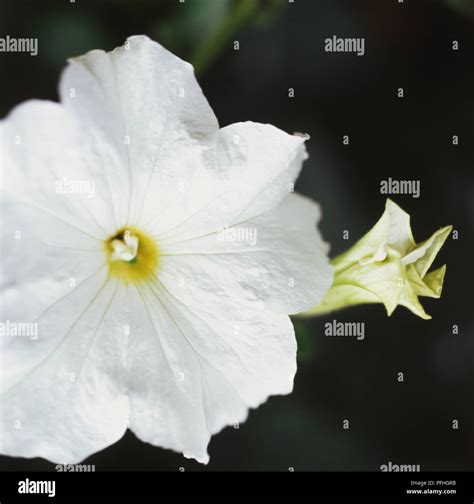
(146, 320)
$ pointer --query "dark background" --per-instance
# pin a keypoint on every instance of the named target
(282, 46)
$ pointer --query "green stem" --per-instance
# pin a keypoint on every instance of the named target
(212, 46)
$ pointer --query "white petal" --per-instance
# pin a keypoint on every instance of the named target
(247, 170)
(72, 402)
(142, 104)
(214, 343)
(284, 270)
(50, 239)
(196, 369)
(171, 170)
(53, 281)
(47, 168)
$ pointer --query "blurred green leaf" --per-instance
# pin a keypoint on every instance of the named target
(305, 341)
(269, 12)
(193, 21)
(205, 27)
(464, 6)
(211, 46)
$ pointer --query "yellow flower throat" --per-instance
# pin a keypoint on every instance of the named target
(132, 255)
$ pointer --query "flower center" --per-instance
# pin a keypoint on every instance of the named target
(132, 255)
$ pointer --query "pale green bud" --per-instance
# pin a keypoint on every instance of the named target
(387, 266)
